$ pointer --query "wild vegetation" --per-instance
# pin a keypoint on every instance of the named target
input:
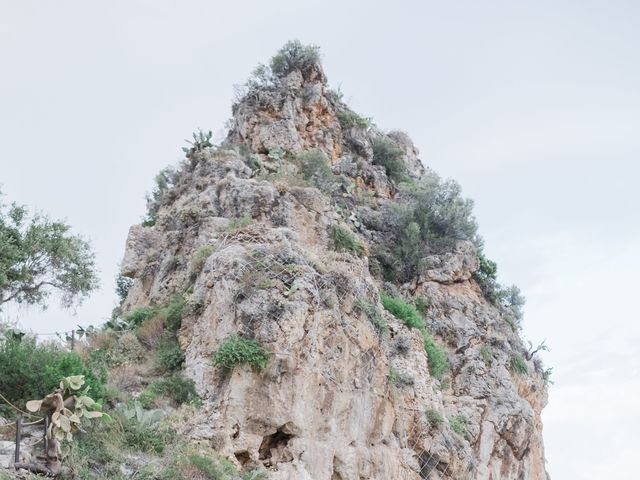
(436, 355)
(236, 350)
(39, 256)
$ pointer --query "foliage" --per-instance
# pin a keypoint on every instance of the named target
(402, 310)
(176, 388)
(173, 313)
(214, 469)
(315, 168)
(164, 183)
(434, 216)
(141, 429)
(486, 353)
(138, 316)
(31, 370)
(151, 332)
(511, 305)
(400, 379)
(508, 300)
(519, 364)
(111, 349)
(437, 356)
(39, 255)
(169, 356)
(440, 210)
(407, 313)
(389, 155)
(277, 153)
(373, 314)
(344, 240)
(486, 276)
(123, 285)
(294, 55)
(239, 223)
(64, 421)
(350, 119)
(459, 425)
(434, 418)
(235, 350)
(201, 141)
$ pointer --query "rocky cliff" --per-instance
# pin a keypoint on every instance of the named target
(287, 234)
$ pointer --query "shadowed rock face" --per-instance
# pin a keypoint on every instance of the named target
(324, 407)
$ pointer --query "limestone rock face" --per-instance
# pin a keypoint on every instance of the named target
(324, 408)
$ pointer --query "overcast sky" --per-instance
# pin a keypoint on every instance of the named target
(534, 107)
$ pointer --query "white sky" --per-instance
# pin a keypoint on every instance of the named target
(534, 107)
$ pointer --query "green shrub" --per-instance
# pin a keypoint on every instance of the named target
(176, 388)
(518, 364)
(350, 119)
(511, 305)
(315, 168)
(173, 313)
(459, 425)
(138, 316)
(30, 370)
(294, 55)
(440, 209)
(434, 417)
(235, 350)
(214, 469)
(344, 240)
(239, 223)
(437, 356)
(147, 438)
(165, 181)
(400, 379)
(123, 285)
(403, 311)
(389, 155)
(486, 353)
(373, 314)
(111, 349)
(508, 300)
(169, 356)
(433, 217)
(486, 276)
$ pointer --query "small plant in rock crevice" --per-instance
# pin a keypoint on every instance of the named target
(486, 353)
(437, 356)
(344, 240)
(235, 350)
(400, 379)
(434, 417)
(519, 364)
(373, 314)
(459, 425)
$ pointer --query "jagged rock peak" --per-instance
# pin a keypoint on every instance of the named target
(391, 353)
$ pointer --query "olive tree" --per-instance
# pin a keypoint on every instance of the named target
(38, 256)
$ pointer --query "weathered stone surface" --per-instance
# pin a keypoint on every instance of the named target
(324, 408)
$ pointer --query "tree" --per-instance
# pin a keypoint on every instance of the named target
(38, 256)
